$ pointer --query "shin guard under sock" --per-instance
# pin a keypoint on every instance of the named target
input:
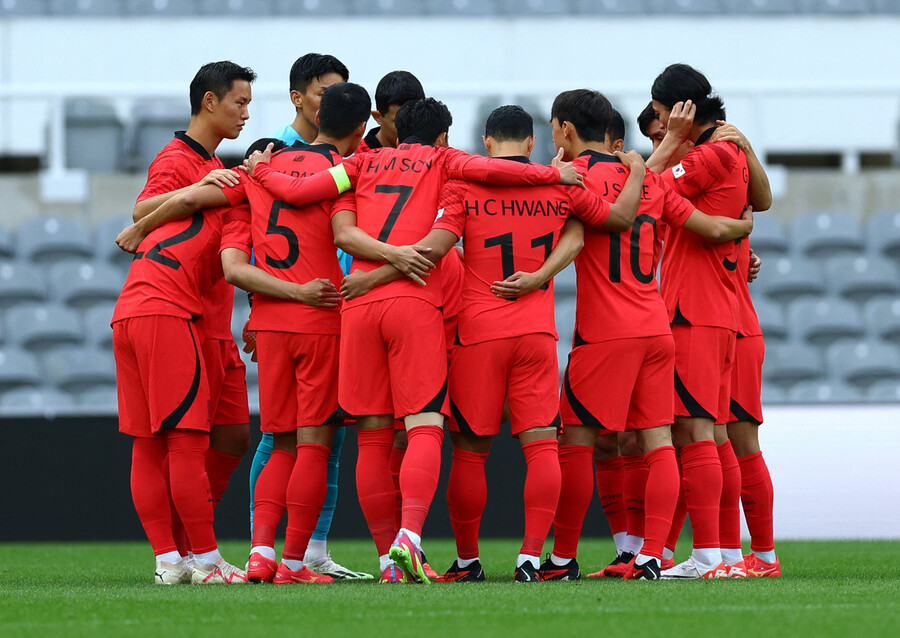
(576, 490)
(466, 498)
(542, 484)
(419, 474)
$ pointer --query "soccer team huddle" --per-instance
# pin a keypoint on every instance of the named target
(401, 332)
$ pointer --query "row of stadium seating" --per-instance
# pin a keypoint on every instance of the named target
(506, 8)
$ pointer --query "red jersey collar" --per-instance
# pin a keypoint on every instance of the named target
(194, 144)
(516, 158)
(595, 157)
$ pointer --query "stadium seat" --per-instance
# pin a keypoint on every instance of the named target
(887, 390)
(565, 319)
(103, 400)
(80, 368)
(769, 238)
(823, 321)
(863, 362)
(23, 8)
(20, 283)
(788, 278)
(823, 234)
(695, 7)
(97, 330)
(388, 7)
(46, 240)
(81, 284)
(841, 7)
(862, 278)
(462, 7)
(7, 246)
(243, 8)
(311, 7)
(105, 242)
(771, 318)
(883, 319)
(520, 8)
(161, 8)
(86, 8)
(154, 123)
(885, 6)
(824, 392)
(18, 368)
(564, 282)
(95, 137)
(44, 401)
(39, 327)
(883, 233)
(612, 7)
(791, 362)
(761, 6)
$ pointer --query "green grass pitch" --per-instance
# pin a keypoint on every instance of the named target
(105, 589)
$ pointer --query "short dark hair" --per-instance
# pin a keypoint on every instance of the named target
(219, 78)
(616, 129)
(647, 117)
(397, 87)
(344, 107)
(680, 82)
(425, 119)
(314, 65)
(262, 143)
(588, 111)
(510, 122)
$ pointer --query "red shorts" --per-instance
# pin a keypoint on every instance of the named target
(620, 384)
(227, 377)
(483, 375)
(298, 379)
(450, 324)
(746, 379)
(160, 376)
(393, 358)
(704, 357)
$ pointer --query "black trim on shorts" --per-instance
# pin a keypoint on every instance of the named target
(577, 339)
(172, 421)
(584, 415)
(437, 402)
(742, 415)
(461, 422)
(679, 319)
(693, 406)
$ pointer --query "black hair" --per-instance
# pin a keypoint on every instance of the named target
(425, 119)
(344, 107)
(509, 122)
(647, 117)
(219, 78)
(262, 143)
(588, 111)
(680, 82)
(397, 87)
(314, 65)
(616, 129)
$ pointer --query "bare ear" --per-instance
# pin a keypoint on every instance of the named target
(488, 143)
(376, 115)
(317, 120)
(209, 101)
(442, 140)
(297, 99)
(530, 141)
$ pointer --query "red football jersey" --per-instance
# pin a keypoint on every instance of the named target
(173, 265)
(369, 142)
(183, 162)
(453, 275)
(698, 278)
(748, 322)
(504, 230)
(291, 243)
(618, 296)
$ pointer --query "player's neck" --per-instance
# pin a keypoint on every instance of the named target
(304, 129)
(698, 129)
(511, 148)
(580, 146)
(385, 143)
(204, 135)
(342, 145)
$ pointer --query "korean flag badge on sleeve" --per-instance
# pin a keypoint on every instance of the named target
(678, 171)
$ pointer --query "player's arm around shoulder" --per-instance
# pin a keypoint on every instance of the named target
(623, 211)
(716, 228)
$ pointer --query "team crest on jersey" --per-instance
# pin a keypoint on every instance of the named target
(678, 171)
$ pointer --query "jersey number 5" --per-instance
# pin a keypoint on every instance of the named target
(273, 228)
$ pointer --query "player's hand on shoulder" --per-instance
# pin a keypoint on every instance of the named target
(729, 133)
(632, 160)
(567, 171)
(221, 177)
(130, 238)
(256, 157)
(355, 284)
(517, 284)
(320, 293)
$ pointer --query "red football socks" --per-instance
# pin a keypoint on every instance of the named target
(730, 502)
(419, 474)
(703, 491)
(190, 486)
(576, 490)
(757, 497)
(466, 498)
(150, 493)
(662, 489)
(542, 484)
(219, 467)
(305, 496)
(610, 475)
(680, 514)
(270, 497)
(374, 486)
(635, 485)
(396, 461)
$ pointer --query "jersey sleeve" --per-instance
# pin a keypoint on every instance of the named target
(303, 191)
(461, 165)
(452, 212)
(236, 229)
(163, 177)
(587, 207)
(676, 209)
(347, 201)
(237, 194)
(701, 169)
